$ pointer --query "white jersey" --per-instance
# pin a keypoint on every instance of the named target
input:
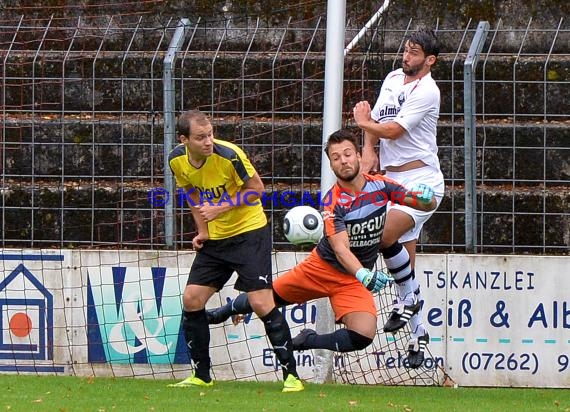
(415, 106)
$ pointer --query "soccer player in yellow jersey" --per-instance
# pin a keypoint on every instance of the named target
(223, 191)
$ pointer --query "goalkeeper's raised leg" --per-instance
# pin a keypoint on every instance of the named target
(232, 309)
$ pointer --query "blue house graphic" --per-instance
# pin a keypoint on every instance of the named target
(35, 299)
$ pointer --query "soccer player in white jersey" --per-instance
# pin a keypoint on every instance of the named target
(404, 121)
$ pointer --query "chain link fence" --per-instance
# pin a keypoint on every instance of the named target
(82, 130)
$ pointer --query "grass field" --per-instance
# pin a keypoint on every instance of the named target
(58, 393)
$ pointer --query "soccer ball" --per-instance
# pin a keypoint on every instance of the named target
(303, 225)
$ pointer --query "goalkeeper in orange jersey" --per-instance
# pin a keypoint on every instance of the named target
(231, 237)
(341, 266)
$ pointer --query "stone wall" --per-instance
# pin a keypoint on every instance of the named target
(77, 160)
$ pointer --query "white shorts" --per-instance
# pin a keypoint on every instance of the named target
(427, 175)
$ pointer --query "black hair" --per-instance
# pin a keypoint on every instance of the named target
(427, 40)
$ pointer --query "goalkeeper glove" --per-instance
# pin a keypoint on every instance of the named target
(373, 281)
(422, 192)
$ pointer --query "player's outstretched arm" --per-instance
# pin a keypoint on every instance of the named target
(421, 197)
(341, 247)
(373, 281)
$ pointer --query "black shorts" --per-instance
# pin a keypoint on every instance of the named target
(248, 254)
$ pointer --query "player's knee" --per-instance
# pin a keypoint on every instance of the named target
(261, 301)
(359, 341)
(195, 298)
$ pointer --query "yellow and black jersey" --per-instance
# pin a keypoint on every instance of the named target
(219, 178)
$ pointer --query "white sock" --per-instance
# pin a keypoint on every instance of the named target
(416, 321)
(400, 267)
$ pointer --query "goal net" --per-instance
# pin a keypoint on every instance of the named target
(118, 313)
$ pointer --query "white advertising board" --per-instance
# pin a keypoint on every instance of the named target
(502, 320)
(493, 320)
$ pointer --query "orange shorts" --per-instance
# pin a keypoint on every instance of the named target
(314, 278)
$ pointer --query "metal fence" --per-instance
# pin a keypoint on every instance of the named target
(83, 125)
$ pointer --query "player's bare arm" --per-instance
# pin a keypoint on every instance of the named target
(341, 246)
(252, 190)
(374, 281)
(201, 224)
(386, 130)
(372, 133)
(369, 159)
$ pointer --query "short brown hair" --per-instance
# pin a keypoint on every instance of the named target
(186, 118)
(340, 136)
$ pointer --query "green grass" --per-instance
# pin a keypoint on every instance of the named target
(58, 393)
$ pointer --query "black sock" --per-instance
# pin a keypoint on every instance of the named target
(240, 305)
(398, 262)
(279, 335)
(197, 335)
(341, 340)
